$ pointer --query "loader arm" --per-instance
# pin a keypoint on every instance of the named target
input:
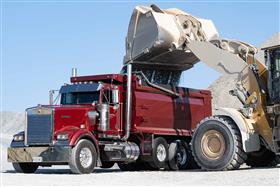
(252, 75)
(172, 40)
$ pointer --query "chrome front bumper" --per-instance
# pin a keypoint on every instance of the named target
(55, 154)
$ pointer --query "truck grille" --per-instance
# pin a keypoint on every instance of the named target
(39, 127)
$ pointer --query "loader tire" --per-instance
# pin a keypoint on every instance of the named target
(83, 157)
(25, 167)
(216, 144)
(192, 163)
(262, 158)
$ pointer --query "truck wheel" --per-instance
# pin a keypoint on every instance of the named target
(83, 157)
(25, 167)
(179, 155)
(262, 158)
(160, 154)
(216, 144)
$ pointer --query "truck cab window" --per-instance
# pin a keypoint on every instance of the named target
(107, 97)
(79, 98)
(110, 97)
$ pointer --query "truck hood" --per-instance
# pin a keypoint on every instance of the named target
(71, 116)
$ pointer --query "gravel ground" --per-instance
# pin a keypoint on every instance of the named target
(114, 177)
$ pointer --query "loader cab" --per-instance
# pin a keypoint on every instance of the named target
(272, 59)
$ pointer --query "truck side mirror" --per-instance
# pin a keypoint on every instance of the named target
(51, 93)
(53, 100)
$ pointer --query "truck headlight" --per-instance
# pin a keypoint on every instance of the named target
(62, 137)
(18, 138)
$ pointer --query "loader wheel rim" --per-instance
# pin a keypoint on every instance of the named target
(85, 157)
(161, 153)
(213, 145)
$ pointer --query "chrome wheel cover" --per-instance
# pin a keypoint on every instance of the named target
(85, 157)
(161, 153)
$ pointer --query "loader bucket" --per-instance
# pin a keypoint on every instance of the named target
(158, 37)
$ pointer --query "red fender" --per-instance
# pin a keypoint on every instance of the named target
(83, 134)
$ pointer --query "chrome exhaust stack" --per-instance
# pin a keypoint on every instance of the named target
(128, 102)
(74, 72)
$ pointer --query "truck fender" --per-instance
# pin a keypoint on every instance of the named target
(250, 139)
(84, 134)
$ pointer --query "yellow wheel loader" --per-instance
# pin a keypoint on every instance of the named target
(159, 41)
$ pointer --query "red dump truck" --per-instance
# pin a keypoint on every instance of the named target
(115, 118)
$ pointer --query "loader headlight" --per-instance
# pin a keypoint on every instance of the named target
(18, 137)
(62, 137)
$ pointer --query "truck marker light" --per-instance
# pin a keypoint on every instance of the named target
(82, 126)
(62, 137)
(18, 138)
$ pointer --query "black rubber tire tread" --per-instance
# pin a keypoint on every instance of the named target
(263, 158)
(238, 156)
(74, 163)
(25, 167)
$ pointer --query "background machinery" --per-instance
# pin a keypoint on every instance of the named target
(159, 41)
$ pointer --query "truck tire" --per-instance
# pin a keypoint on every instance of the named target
(179, 155)
(262, 158)
(159, 154)
(25, 167)
(83, 157)
(216, 145)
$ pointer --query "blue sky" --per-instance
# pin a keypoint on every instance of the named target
(43, 40)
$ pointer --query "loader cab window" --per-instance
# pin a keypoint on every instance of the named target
(276, 63)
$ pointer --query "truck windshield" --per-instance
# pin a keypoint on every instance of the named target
(79, 98)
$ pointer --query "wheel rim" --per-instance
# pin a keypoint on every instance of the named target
(181, 156)
(213, 145)
(85, 157)
(161, 153)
